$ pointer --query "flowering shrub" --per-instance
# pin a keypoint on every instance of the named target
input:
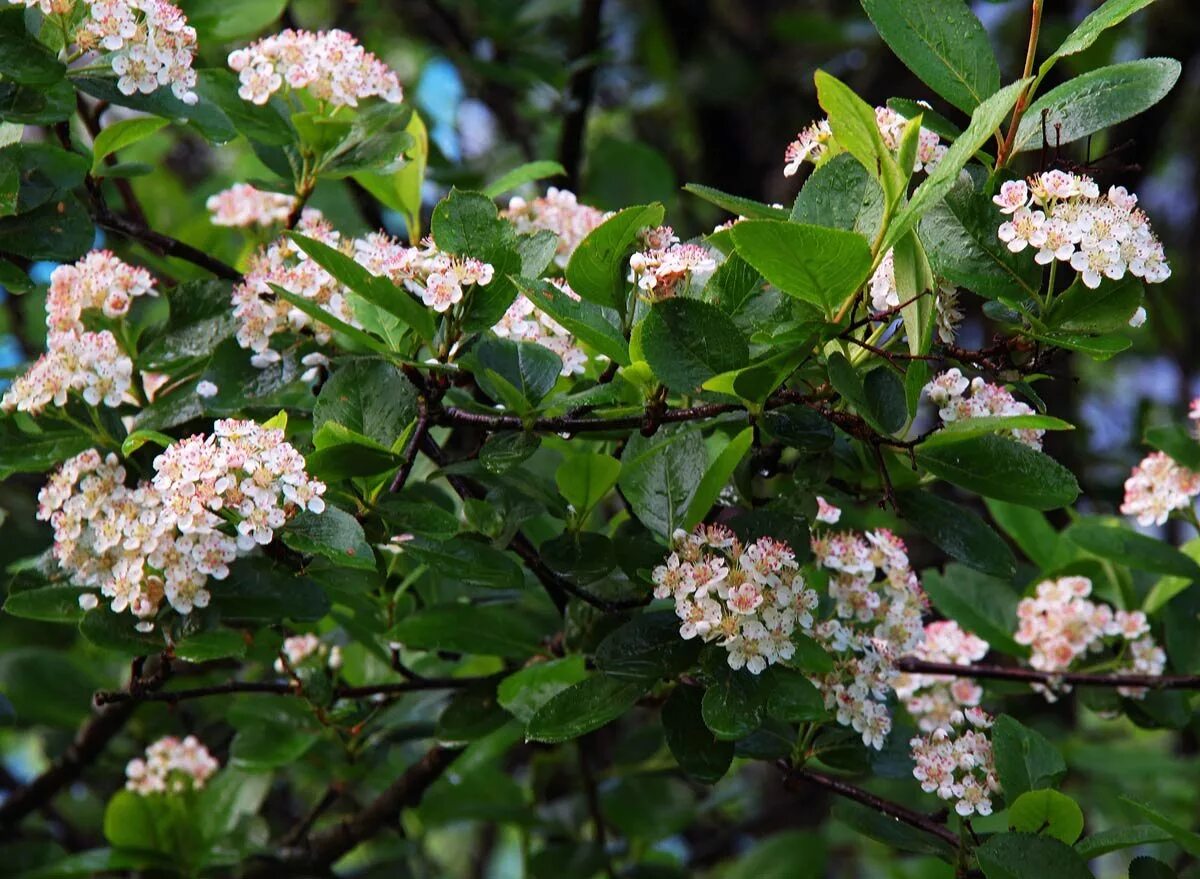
(516, 518)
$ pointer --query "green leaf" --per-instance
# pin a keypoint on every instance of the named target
(472, 713)
(717, 477)
(661, 474)
(378, 291)
(799, 428)
(686, 342)
(958, 532)
(523, 693)
(735, 702)
(841, 195)
(205, 116)
(943, 43)
(1046, 813)
(821, 266)
(1150, 868)
(599, 265)
(1117, 838)
(584, 478)
(1025, 759)
(133, 821)
(968, 428)
(200, 318)
(400, 190)
(120, 135)
(736, 204)
(256, 589)
(220, 23)
(139, 438)
(1168, 587)
(1002, 468)
(985, 121)
(1110, 14)
(521, 175)
(856, 130)
(37, 452)
(47, 686)
(1106, 309)
(592, 324)
(879, 398)
(699, 753)
(1096, 347)
(51, 604)
(468, 561)
(1178, 442)
(1125, 547)
(370, 397)
(527, 368)
(480, 629)
(981, 604)
(334, 534)
(647, 648)
(319, 314)
(1186, 839)
(505, 450)
(584, 707)
(1096, 100)
(271, 738)
(214, 644)
(115, 632)
(22, 58)
(61, 231)
(959, 234)
(1024, 856)
(793, 697)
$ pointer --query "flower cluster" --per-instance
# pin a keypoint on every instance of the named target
(1060, 625)
(330, 65)
(747, 598)
(439, 279)
(149, 44)
(1065, 218)
(90, 364)
(1157, 487)
(560, 212)
(524, 322)
(242, 206)
(816, 143)
(933, 699)
(210, 500)
(171, 766)
(298, 649)
(948, 391)
(956, 762)
(877, 607)
(665, 263)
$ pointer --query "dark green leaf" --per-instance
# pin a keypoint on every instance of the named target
(799, 427)
(526, 367)
(503, 451)
(943, 43)
(22, 58)
(523, 693)
(1129, 548)
(592, 324)
(256, 589)
(334, 534)
(468, 561)
(599, 265)
(1024, 856)
(736, 204)
(1177, 442)
(979, 603)
(1117, 838)
(585, 478)
(1025, 759)
(699, 753)
(958, 532)
(37, 452)
(793, 697)
(60, 231)
(584, 707)
(647, 648)
(51, 604)
(484, 629)
(473, 713)
(115, 632)
(1002, 468)
(371, 397)
(205, 116)
(660, 475)
(735, 702)
(687, 342)
(1106, 309)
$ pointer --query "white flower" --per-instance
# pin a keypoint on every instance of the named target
(207, 389)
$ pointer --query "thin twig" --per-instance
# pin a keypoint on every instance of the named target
(1004, 153)
(414, 446)
(277, 688)
(1032, 676)
(795, 779)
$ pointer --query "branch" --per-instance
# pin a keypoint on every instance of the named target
(91, 740)
(794, 780)
(453, 416)
(1032, 676)
(580, 90)
(277, 688)
(414, 445)
(164, 245)
(325, 848)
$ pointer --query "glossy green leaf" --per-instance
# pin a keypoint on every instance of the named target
(592, 324)
(521, 694)
(468, 561)
(717, 477)
(529, 369)
(1025, 759)
(370, 397)
(1125, 547)
(22, 58)
(943, 43)
(122, 134)
(599, 265)
(957, 531)
(584, 707)
(855, 129)
(1096, 100)
(1109, 14)
(333, 534)
(1025, 856)
(522, 174)
(483, 629)
(1002, 468)
(1117, 838)
(585, 478)
(647, 648)
(735, 702)
(699, 753)
(981, 604)
(1046, 813)
(821, 266)
(686, 342)
(661, 474)
(736, 204)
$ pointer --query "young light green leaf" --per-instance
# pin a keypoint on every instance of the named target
(599, 265)
(943, 43)
(736, 204)
(856, 130)
(121, 134)
(521, 175)
(717, 477)
(1046, 813)
(818, 265)
(1110, 14)
(585, 478)
(985, 121)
